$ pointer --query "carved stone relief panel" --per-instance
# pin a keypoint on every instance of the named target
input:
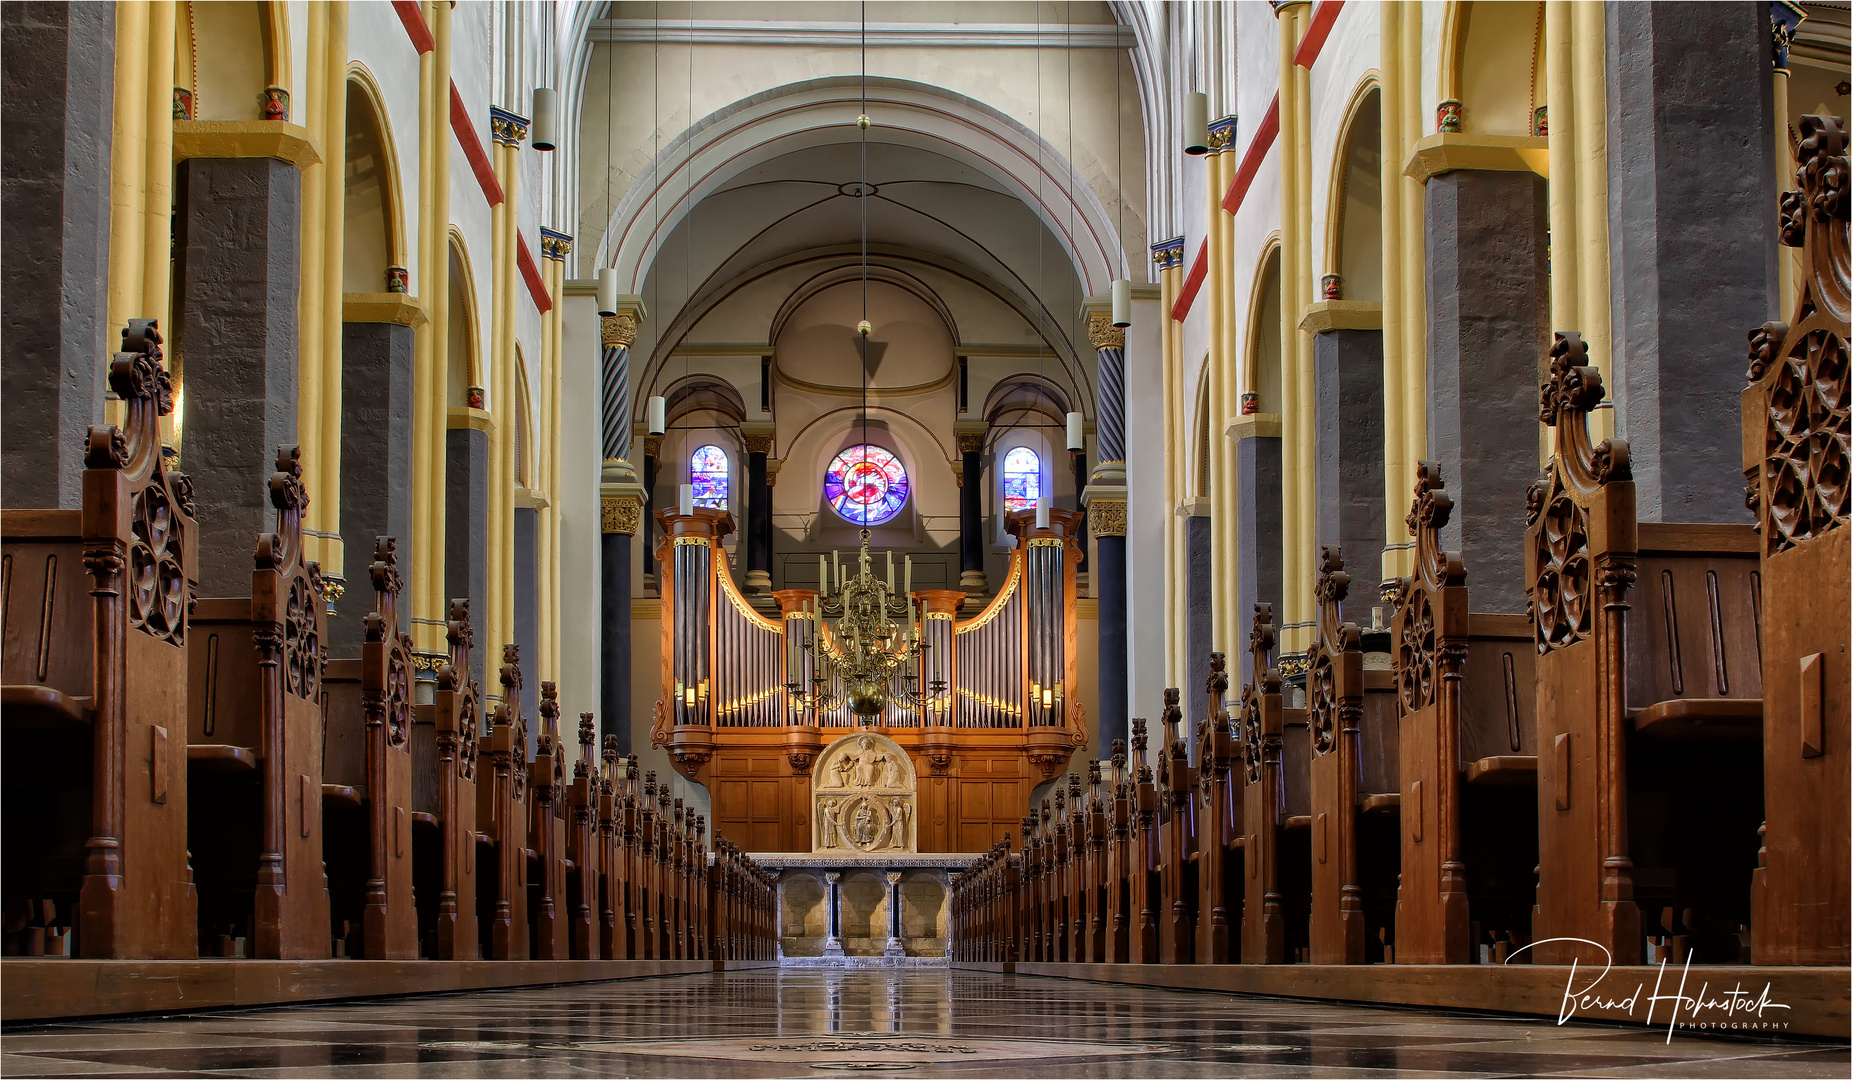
(865, 797)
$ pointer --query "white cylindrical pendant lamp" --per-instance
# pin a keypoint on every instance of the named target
(1122, 303)
(607, 291)
(658, 415)
(1041, 512)
(1076, 432)
(687, 500)
(545, 133)
(1196, 124)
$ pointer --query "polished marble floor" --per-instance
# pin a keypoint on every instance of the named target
(921, 1023)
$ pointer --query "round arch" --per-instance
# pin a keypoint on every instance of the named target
(1346, 248)
(738, 138)
(372, 125)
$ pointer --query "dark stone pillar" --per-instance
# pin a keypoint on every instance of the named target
(466, 530)
(1348, 374)
(235, 310)
(1691, 207)
(527, 605)
(1199, 627)
(1259, 571)
(58, 66)
(971, 509)
(614, 631)
(376, 463)
(1115, 654)
(758, 439)
(1488, 284)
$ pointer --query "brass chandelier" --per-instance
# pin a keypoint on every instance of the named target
(876, 656)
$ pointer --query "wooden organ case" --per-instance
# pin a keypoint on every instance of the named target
(1005, 719)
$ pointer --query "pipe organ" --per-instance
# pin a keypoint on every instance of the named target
(987, 710)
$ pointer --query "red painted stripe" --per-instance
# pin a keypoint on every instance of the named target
(413, 17)
(1315, 34)
(472, 149)
(536, 288)
(1264, 136)
(1192, 284)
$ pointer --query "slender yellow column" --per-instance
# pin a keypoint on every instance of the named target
(1221, 532)
(1395, 441)
(427, 387)
(550, 592)
(513, 414)
(334, 218)
(1413, 274)
(502, 405)
(310, 327)
(1594, 299)
(1293, 430)
(128, 167)
(1565, 252)
(437, 13)
(158, 174)
(1229, 636)
(1301, 195)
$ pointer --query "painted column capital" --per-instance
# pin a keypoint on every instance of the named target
(618, 331)
(1103, 333)
(1105, 503)
(756, 435)
(971, 435)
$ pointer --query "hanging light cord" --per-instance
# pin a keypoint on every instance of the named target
(862, 196)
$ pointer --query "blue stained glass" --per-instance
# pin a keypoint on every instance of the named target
(866, 485)
(1022, 479)
(710, 475)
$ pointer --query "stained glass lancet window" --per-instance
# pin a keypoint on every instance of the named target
(1022, 479)
(866, 485)
(710, 476)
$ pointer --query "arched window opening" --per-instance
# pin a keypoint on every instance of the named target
(712, 477)
(1022, 479)
(866, 485)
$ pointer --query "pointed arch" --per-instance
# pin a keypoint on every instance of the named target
(464, 364)
(1353, 217)
(1262, 372)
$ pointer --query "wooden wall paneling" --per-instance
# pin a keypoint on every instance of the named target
(93, 709)
(1796, 425)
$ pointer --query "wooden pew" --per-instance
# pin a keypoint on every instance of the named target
(1176, 783)
(92, 706)
(446, 772)
(546, 831)
(584, 866)
(1093, 878)
(367, 781)
(1795, 425)
(501, 816)
(1468, 753)
(1219, 839)
(1119, 861)
(1667, 681)
(608, 906)
(1263, 802)
(254, 747)
(1062, 896)
(1335, 707)
(1145, 888)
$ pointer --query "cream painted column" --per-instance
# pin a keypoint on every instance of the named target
(555, 249)
(158, 179)
(1167, 257)
(1219, 375)
(1394, 140)
(128, 165)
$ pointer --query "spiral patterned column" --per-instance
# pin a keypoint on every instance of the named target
(1105, 500)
